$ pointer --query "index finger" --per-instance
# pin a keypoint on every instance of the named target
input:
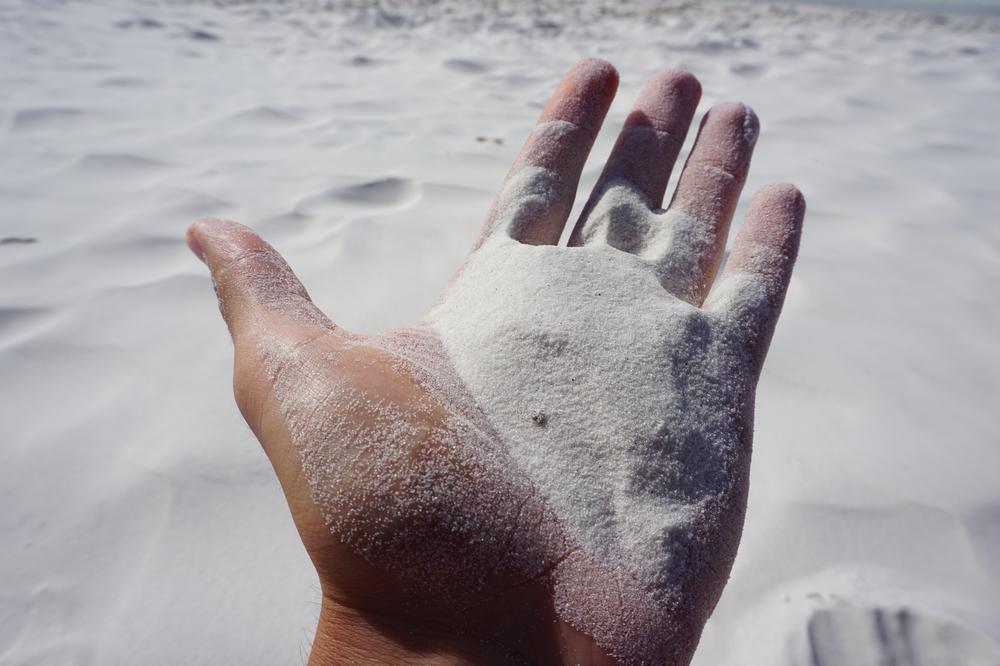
(538, 191)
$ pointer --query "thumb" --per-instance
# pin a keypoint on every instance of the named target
(271, 318)
(254, 284)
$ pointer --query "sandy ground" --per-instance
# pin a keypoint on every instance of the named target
(140, 523)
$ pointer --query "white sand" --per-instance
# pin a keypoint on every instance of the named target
(623, 404)
(141, 524)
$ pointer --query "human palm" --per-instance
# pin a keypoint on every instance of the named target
(552, 465)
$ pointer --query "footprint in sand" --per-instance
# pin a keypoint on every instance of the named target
(846, 635)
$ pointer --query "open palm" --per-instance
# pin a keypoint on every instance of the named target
(552, 466)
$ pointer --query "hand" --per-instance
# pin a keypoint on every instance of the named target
(551, 466)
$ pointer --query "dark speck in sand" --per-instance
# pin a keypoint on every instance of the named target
(386, 19)
(540, 419)
(466, 66)
(147, 23)
(747, 68)
(361, 61)
(18, 240)
(203, 36)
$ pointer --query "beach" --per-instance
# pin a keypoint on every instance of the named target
(141, 523)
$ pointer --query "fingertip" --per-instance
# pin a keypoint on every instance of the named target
(204, 236)
(783, 190)
(215, 239)
(194, 243)
(667, 101)
(217, 226)
(779, 201)
(672, 82)
(597, 71)
(687, 85)
(740, 119)
(768, 243)
(250, 277)
(584, 95)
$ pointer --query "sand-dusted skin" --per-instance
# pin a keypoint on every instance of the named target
(569, 426)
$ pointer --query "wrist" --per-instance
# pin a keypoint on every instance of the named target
(349, 635)
(346, 635)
